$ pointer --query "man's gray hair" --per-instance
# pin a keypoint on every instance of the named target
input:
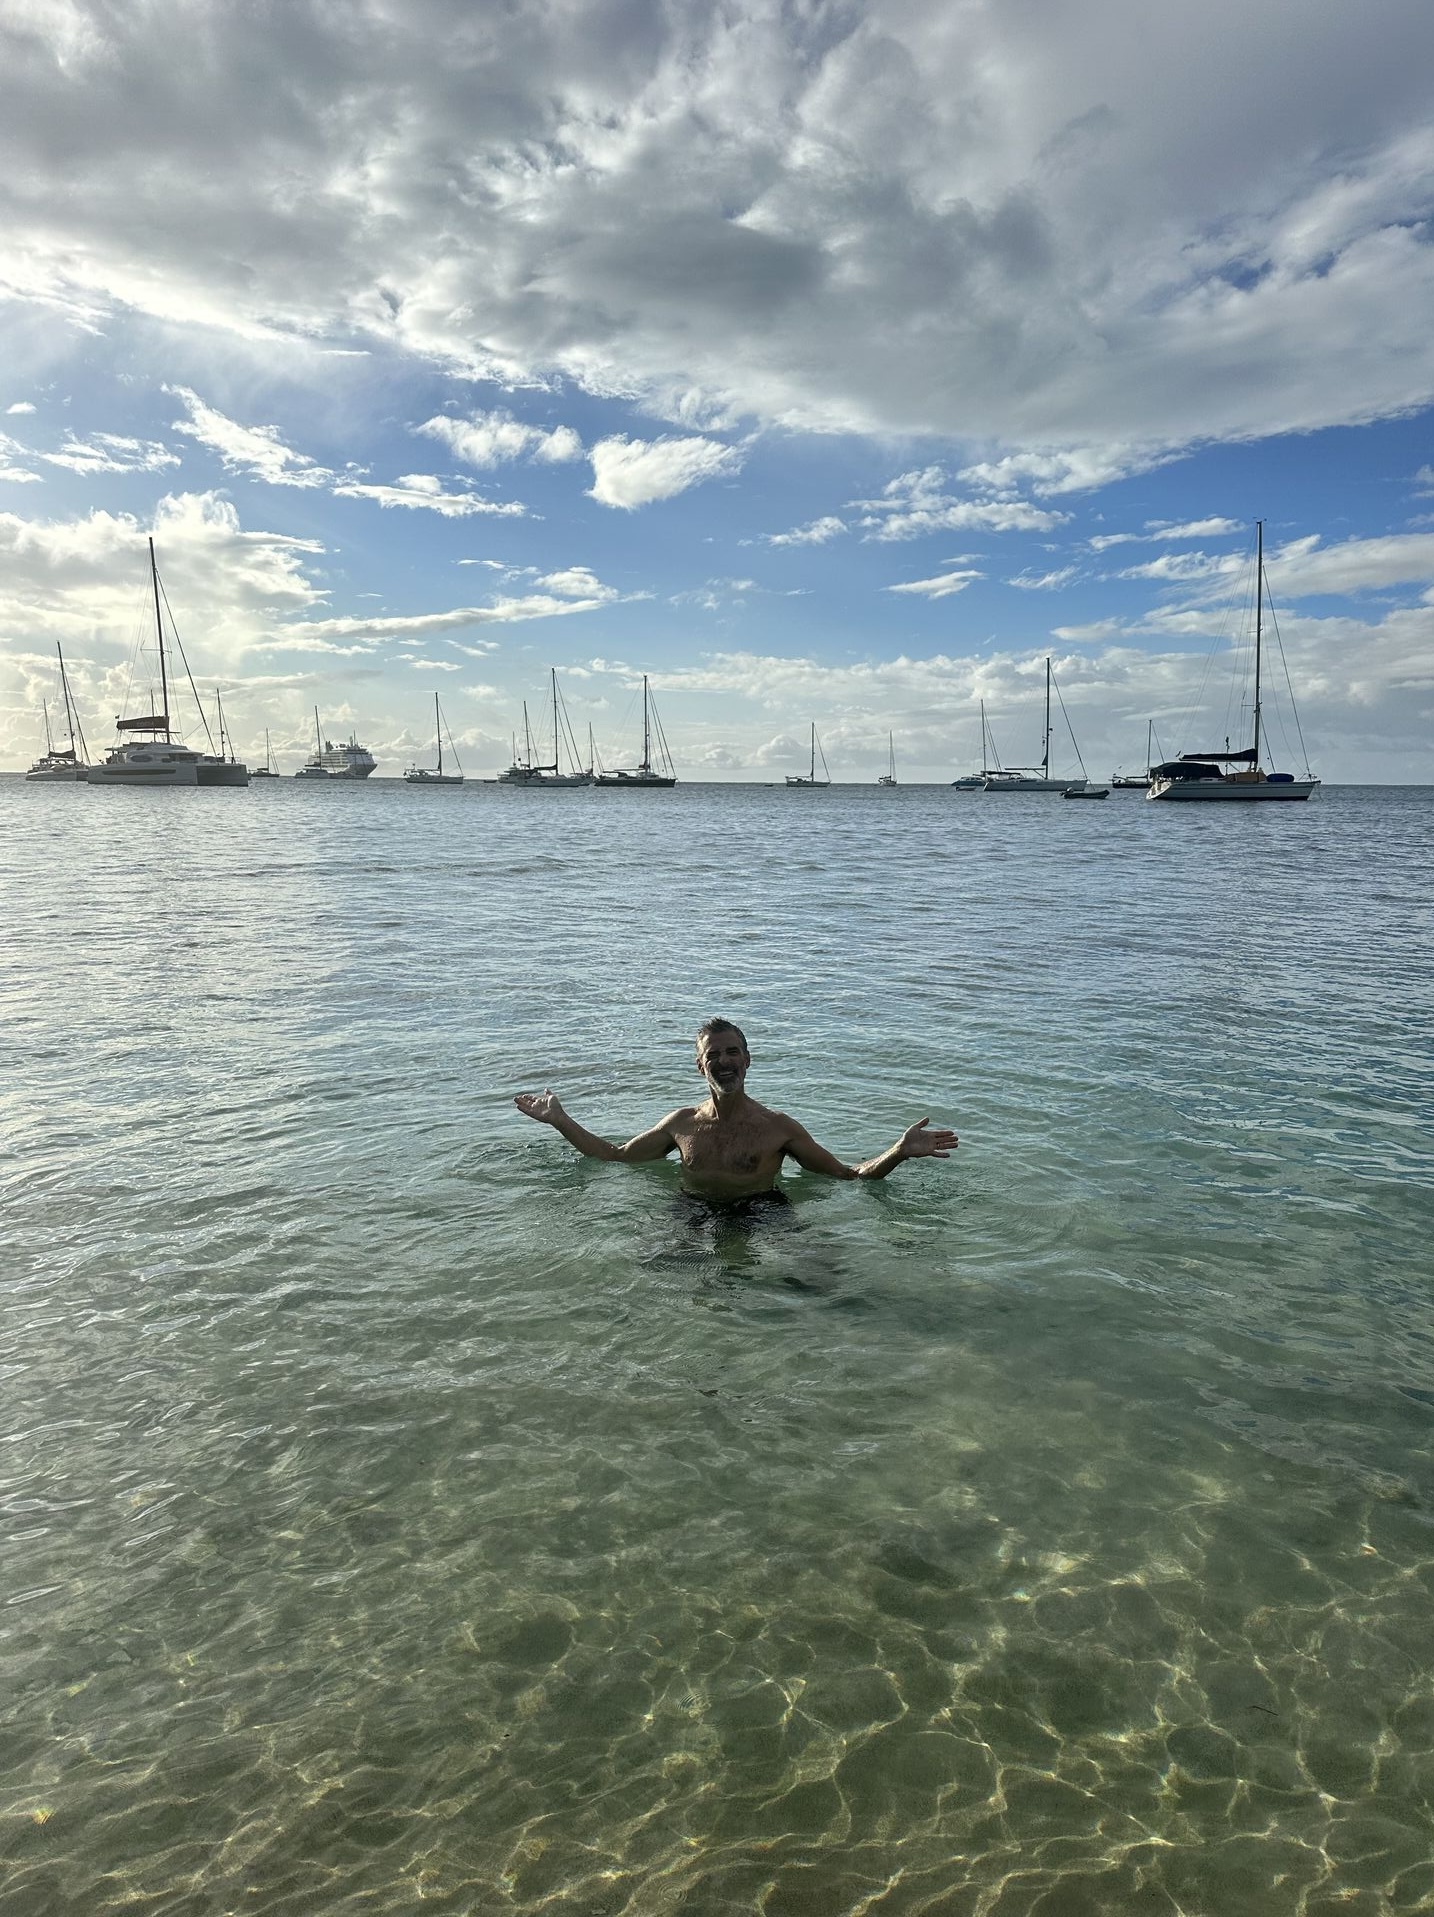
(716, 1025)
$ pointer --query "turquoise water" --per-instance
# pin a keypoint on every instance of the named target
(401, 1512)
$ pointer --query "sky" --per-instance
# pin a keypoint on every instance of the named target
(832, 364)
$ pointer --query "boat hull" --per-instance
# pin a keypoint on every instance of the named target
(1232, 792)
(634, 781)
(416, 775)
(1051, 788)
(57, 775)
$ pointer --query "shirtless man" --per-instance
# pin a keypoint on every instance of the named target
(730, 1146)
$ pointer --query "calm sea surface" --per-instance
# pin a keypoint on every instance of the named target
(400, 1511)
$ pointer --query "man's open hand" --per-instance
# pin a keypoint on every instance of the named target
(917, 1142)
(543, 1106)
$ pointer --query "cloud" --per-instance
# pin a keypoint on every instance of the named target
(1156, 530)
(108, 453)
(424, 492)
(20, 406)
(941, 587)
(916, 503)
(487, 439)
(636, 472)
(841, 219)
(1046, 581)
(818, 533)
(255, 451)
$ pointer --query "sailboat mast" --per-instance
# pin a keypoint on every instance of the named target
(1149, 740)
(557, 755)
(646, 762)
(220, 704)
(814, 751)
(65, 690)
(438, 728)
(1046, 755)
(318, 740)
(159, 635)
(49, 742)
(1259, 620)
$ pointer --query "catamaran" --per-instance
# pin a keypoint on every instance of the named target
(159, 758)
(62, 765)
(1198, 776)
(810, 778)
(1037, 778)
(644, 773)
(427, 775)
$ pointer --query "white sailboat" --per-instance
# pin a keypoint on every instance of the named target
(158, 758)
(1036, 778)
(644, 773)
(889, 776)
(973, 781)
(1138, 781)
(315, 768)
(1198, 777)
(265, 771)
(428, 775)
(528, 772)
(62, 765)
(809, 779)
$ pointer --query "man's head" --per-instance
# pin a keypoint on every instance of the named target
(722, 1055)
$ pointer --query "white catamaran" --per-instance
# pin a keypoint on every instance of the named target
(644, 773)
(1198, 776)
(428, 775)
(1037, 778)
(158, 758)
(62, 765)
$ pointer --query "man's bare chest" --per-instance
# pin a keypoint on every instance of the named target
(743, 1145)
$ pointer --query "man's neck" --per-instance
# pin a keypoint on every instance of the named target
(727, 1104)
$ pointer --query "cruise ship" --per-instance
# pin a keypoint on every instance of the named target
(330, 761)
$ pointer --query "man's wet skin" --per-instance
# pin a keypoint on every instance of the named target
(731, 1147)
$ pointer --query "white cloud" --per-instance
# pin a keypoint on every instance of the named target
(636, 472)
(255, 451)
(424, 492)
(1046, 581)
(487, 439)
(916, 503)
(941, 587)
(818, 533)
(20, 406)
(1158, 530)
(871, 218)
(108, 453)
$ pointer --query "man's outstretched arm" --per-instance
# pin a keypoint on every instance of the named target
(915, 1142)
(545, 1108)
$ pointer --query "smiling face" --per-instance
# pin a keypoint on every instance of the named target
(723, 1058)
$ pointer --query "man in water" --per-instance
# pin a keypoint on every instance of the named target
(730, 1146)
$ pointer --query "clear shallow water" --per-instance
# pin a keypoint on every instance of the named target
(399, 1511)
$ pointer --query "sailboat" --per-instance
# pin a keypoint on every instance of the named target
(1197, 775)
(644, 773)
(426, 775)
(315, 768)
(159, 758)
(1138, 781)
(1036, 778)
(527, 772)
(62, 765)
(265, 771)
(810, 778)
(889, 776)
(973, 781)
